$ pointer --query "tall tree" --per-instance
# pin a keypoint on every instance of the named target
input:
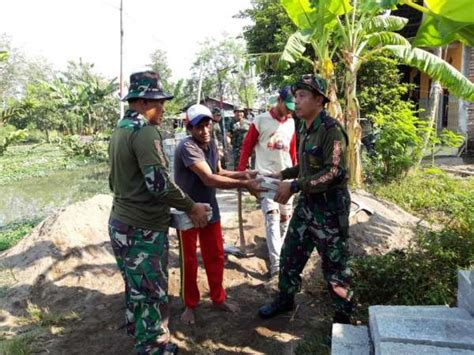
(159, 64)
(224, 71)
(269, 33)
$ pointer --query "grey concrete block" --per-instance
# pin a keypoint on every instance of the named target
(453, 333)
(466, 290)
(388, 348)
(421, 312)
(350, 340)
(181, 221)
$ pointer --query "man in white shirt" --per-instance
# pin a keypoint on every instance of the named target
(273, 136)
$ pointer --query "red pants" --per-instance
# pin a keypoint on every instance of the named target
(212, 251)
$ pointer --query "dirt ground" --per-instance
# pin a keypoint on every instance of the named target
(66, 265)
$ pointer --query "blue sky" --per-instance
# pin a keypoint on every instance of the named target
(62, 30)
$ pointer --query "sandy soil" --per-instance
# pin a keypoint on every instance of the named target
(66, 264)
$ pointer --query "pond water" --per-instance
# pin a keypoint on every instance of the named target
(40, 196)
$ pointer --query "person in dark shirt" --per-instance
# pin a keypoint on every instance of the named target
(198, 172)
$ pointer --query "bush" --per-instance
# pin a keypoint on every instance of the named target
(10, 137)
(425, 273)
(399, 142)
(94, 147)
(12, 233)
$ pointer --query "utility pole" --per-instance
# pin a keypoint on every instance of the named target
(201, 68)
(121, 60)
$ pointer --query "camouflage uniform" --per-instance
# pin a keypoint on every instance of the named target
(142, 257)
(239, 131)
(139, 223)
(321, 217)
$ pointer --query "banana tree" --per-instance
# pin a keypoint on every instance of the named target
(363, 28)
(443, 22)
(316, 27)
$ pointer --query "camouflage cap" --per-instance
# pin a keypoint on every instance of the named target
(216, 111)
(314, 83)
(146, 85)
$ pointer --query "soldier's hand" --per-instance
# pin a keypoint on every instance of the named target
(198, 215)
(275, 175)
(283, 193)
(253, 186)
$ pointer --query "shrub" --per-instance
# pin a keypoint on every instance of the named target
(425, 273)
(94, 147)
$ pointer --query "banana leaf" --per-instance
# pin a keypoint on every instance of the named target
(436, 68)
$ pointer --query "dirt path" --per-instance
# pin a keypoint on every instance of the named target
(66, 265)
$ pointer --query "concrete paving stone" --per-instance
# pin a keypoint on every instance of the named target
(350, 340)
(421, 311)
(466, 290)
(454, 333)
(389, 348)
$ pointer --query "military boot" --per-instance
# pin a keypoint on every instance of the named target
(342, 318)
(281, 304)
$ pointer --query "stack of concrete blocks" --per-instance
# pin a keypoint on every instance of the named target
(416, 330)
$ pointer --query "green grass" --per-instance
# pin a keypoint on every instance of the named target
(42, 317)
(18, 345)
(12, 233)
(433, 196)
(426, 272)
(33, 160)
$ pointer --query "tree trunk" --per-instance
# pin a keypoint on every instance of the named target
(435, 96)
(354, 130)
(334, 108)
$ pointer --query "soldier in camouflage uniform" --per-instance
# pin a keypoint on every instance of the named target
(321, 217)
(239, 129)
(140, 216)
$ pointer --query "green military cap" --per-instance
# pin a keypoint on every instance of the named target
(314, 83)
(146, 85)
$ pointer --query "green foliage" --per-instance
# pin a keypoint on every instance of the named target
(76, 101)
(19, 345)
(12, 138)
(224, 72)
(269, 32)
(27, 161)
(12, 233)
(394, 119)
(399, 141)
(426, 272)
(88, 147)
(445, 22)
(435, 196)
(436, 68)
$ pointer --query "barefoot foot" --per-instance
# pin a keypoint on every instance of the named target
(188, 316)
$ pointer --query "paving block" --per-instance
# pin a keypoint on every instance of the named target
(350, 340)
(389, 348)
(466, 290)
(181, 221)
(451, 333)
(421, 312)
